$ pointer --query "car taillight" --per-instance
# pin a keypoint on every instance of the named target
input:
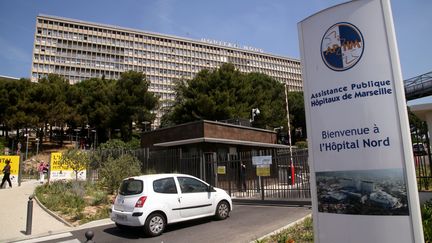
(140, 202)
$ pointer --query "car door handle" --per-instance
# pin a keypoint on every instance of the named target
(179, 199)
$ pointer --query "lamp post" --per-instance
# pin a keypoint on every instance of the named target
(94, 139)
(88, 137)
(88, 130)
(27, 142)
(76, 136)
(37, 146)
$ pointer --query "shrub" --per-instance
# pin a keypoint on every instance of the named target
(300, 232)
(64, 197)
(426, 211)
(115, 170)
(301, 144)
(71, 198)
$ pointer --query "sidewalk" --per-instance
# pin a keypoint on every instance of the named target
(13, 211)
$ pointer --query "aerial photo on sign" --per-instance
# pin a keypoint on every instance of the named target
(365, 192)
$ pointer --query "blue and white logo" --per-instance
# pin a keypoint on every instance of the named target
(342, 46)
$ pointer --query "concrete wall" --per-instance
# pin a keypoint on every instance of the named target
(222, 131)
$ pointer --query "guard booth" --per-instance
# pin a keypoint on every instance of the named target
(215, 151)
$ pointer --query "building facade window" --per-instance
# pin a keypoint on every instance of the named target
(80, 50)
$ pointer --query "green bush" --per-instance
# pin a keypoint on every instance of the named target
(70, 198)
(64, 197)
(134, 143)
(301, 232)
(426, 211)
(115, 170)
(301, 144)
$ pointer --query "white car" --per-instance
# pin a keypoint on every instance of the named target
(153, 201)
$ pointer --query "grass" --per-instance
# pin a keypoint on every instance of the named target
(301, 232)
(76, 201)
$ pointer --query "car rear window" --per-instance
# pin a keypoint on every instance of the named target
(131, 187)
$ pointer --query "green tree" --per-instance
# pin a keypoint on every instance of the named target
(297, 115)
(132, 102)
(115, 170)
(55, 101)
(77, 160)
(268, 95)
(96, 107)
(226, 93)
(17, 114)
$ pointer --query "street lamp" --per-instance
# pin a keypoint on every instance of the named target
(26, 135)
(255, 112)
(94, 140)
(277, 128)
(88, 137)
(37, 146)
(88, 130)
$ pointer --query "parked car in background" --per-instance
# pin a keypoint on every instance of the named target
(153, 201)
(419, 149)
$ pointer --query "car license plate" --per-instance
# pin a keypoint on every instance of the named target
(121, 217)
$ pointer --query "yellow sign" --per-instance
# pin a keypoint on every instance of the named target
(63, 172)
(14, 164)
(55, 163)
(263, 170)
(221, 170)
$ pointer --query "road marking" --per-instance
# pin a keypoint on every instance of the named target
(47, 238)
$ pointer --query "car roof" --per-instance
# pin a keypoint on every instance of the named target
(156, 176)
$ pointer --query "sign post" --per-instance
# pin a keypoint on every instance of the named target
(262, 164)
(362, 170)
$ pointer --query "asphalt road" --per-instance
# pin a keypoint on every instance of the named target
(246, 223)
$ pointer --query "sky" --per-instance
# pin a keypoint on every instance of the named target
(270, 25)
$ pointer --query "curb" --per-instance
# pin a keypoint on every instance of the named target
(282, 228)
(95, 223)
(52, 213)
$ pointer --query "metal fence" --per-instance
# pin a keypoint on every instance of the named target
(224, 171)
(422, 158)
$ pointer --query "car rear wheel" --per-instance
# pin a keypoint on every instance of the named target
(155, 224)
(222, 210)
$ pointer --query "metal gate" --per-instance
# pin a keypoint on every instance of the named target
(422, 155)
(238, 176)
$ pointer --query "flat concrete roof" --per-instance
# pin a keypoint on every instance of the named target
(421, 106)
(219, 140)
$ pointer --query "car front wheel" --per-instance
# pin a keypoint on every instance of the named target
(155, 224)
(222, 210)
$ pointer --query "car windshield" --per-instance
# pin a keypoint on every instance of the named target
(131, 187)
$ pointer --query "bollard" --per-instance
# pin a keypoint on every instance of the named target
(29, 215)
(89, 236)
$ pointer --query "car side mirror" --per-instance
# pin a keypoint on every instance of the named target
(210, 188)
